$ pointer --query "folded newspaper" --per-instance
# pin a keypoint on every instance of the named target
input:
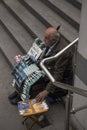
(31, 107)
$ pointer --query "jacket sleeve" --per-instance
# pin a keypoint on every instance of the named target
(58, 71)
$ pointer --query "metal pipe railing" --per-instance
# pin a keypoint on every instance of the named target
(76, 90)
(74, 110)
(54, 57)
(56, 83)
(64, 86)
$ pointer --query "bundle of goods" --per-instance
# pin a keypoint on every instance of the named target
(27, 72)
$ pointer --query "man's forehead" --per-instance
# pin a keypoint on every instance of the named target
(50, 30)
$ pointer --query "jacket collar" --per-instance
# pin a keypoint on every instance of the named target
(54, 49)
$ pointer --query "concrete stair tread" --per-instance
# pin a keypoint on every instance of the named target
(56, 115)
(14, 27)
(76, 3)
(8, 47)
(67, 8)
(80, 1)
(48, 128)
(36, 26)
(66, 29)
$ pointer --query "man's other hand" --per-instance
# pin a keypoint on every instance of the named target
(41, 96)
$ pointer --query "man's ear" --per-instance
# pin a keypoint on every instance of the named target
(58, 27)
(58, 37)
(58, 34)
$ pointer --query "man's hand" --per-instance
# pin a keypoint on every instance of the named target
(41, 96)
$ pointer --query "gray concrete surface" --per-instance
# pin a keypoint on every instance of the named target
(81, 80)
(16, 30)
(9, 116)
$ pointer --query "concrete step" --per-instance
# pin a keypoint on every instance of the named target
(51, 17)
(76, 3)
(26, 18)
(8, 46)
(48, 128)
(16, 31)
(66, 10)
(34, 12)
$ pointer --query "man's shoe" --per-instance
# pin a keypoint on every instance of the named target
(13, 95)
(15, 100)
(43, 121)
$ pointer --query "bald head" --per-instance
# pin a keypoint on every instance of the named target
(50, 31)
(50, 36)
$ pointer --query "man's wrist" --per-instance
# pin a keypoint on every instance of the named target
(47, 91)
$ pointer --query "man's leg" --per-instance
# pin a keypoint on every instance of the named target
(13, 95)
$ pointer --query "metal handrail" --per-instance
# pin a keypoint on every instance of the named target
(54, 57)
(56, 83)
(65, 86)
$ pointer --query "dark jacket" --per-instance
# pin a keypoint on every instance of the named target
(61, 69)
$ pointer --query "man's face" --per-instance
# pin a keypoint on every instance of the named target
(47, 40)
(48, 36)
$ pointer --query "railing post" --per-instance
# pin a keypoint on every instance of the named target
(70, 90)
(68, 110)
